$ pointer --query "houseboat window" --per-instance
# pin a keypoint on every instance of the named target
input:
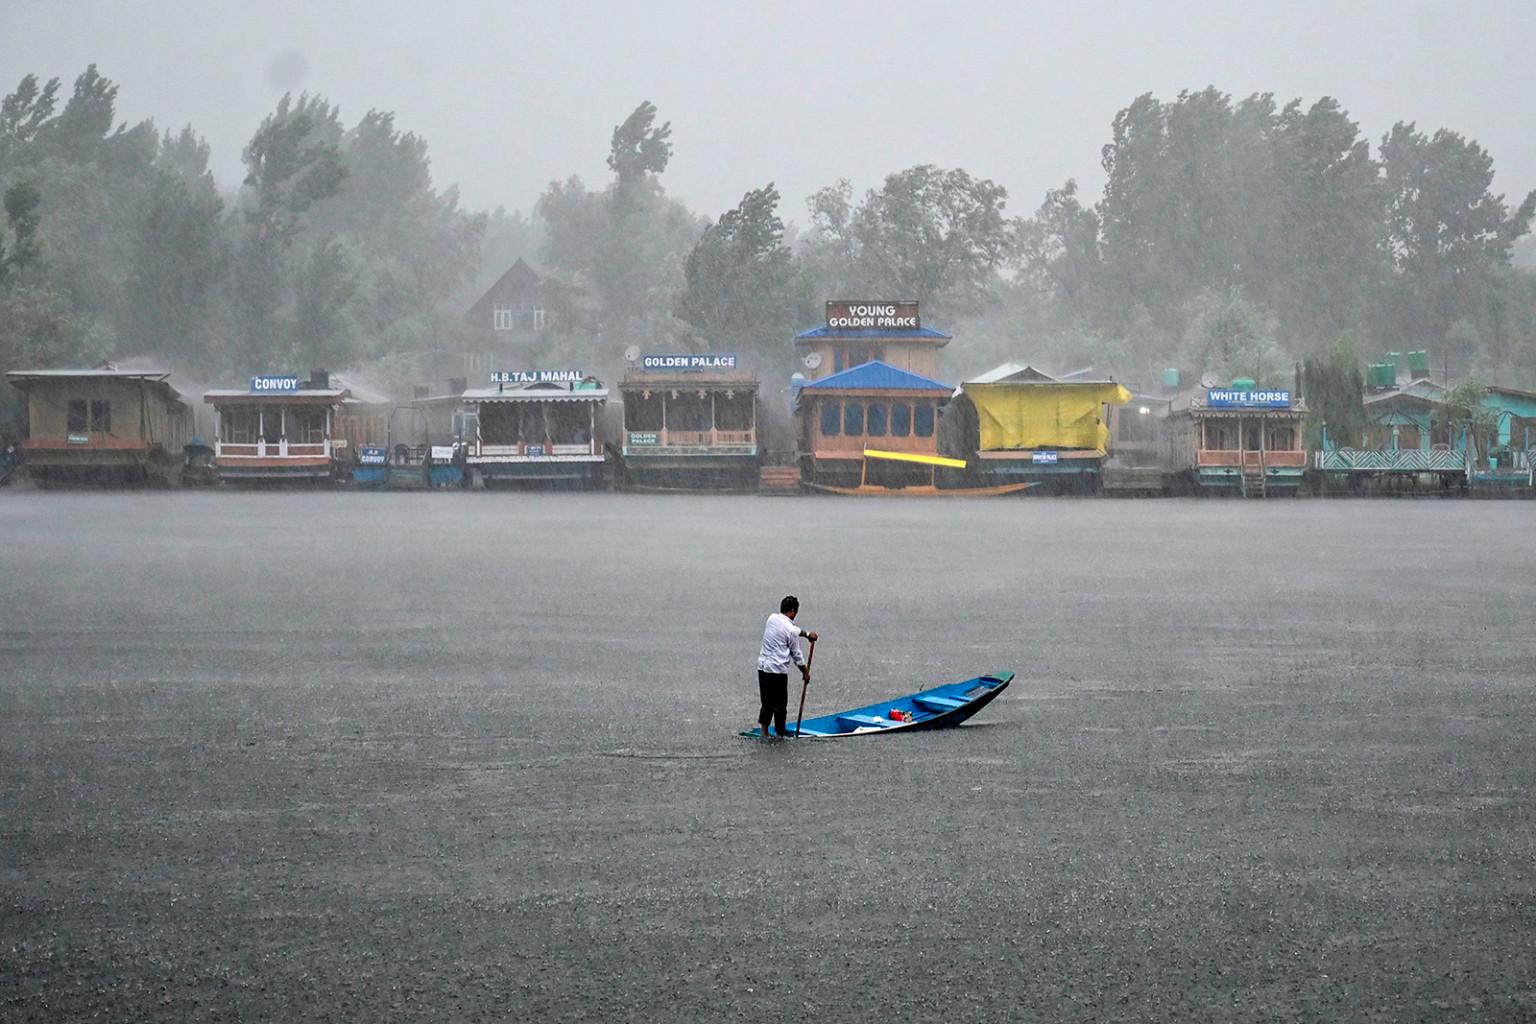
(101, 416)
(569, 423)
(874, 424)
(1251, 437)
(922, 419)
(901, 419)
(831, 418)
(734, 412)
(642, 410)
(498, 423)
(77, 416)
(853, 418)
(306, 426)
(237, 424)
(1220, 435)
(688, 412)
(502, 318)
(540, 320)
(1282, 439)
(272, 424)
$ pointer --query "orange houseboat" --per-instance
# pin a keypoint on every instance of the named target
(280, 428)
(1240, 440)
(870, 406)
(102, 426)
(690, 421)
(536, 427)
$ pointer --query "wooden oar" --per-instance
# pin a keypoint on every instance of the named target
(807, 685)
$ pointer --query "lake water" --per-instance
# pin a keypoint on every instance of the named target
(329, 755)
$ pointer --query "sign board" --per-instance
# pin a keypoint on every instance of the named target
(685, 361)
(643, 438)
(371, 455)
(537, 376)
(872, 315)
(1043, 458)
(79, 439)
(442, 453)
(275, 382)
(535, 449)
(1228, 398)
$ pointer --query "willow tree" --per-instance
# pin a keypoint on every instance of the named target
(1334, 389)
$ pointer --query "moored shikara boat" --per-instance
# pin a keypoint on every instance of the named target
(937, 708)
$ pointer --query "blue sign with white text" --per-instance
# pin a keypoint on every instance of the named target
(1228, 398)
(1043, 458)
(278, 382)
(370, 455)
(688, 361)
(536, 376)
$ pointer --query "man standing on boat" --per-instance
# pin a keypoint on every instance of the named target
(781, 648)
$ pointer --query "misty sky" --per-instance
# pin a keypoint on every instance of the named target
(512, 95)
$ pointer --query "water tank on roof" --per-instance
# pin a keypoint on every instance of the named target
(1381, 375)
(1418, 363)
(1242, 383)
(1171, 377)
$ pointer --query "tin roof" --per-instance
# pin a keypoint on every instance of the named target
(875, 376)
(244, 394)
(141, 374)
(921, 333)
(541, 392)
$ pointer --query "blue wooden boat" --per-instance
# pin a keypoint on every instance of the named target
(937, 708)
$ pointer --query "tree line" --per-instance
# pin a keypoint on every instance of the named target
(1240, 237)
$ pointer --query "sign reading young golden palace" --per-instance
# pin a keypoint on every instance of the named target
(872, 315)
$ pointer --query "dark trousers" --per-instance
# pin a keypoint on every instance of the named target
(774, 690)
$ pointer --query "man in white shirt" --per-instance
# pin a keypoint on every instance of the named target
(781, 648)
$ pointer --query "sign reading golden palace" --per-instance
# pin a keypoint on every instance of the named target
(872, 315)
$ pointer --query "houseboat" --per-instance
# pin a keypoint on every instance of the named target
(1017, 423)
(103, 425)
(873, 429)
(690, 421)
(1238, 440)
(1403, 449)
(1509, 466)
(536, 427)
(280, 428)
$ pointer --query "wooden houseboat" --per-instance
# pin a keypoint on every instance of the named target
(102, 425)
(690, 421)
(280, 428)
(1509, 466)
(873, 428)
(1138, 455)
(1016, 423)
(1244, 441)
(1401, 450)
(536, 427)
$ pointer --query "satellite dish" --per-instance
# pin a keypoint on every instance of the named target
(632, 354)
(811, 360)
(1209, 380)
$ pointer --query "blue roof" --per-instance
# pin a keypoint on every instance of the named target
(876, 376)
(870, 332)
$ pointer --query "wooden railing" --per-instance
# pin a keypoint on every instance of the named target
(691, 438)
(273, 450)
(1249, 459)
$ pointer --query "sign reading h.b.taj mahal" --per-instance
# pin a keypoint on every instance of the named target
(872, 315)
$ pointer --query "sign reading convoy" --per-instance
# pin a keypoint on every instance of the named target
(537, 376)
(871, 315)
(688, 362)
(269, 382)
(1228, 398)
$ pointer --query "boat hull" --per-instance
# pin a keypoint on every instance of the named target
(936, 708)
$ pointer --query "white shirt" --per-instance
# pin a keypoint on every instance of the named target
(781, 645)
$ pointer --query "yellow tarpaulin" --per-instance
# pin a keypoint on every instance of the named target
(1040, 415)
